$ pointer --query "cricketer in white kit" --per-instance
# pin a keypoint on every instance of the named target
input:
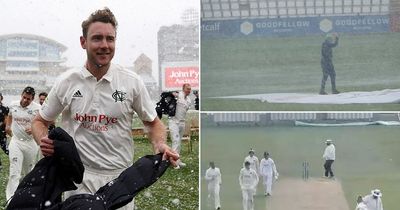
(248, 180)
(253, 160)
(360, 204)
(254, 164)
(176, 123)
(23, 149)
(268, 172)
(98, 102)
(213, 177)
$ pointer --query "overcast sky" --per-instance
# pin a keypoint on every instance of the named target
(139, 21)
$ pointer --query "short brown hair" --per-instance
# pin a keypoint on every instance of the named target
(29, 90)
(102, 15)
(43, 94)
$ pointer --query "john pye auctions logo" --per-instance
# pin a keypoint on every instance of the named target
(103, 119)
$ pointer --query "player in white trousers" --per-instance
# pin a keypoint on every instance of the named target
(268, 172)
(176, 123)
(254, 163)
(253, 160)
(373, 201)
(213, 177)
(23, 149)
(248, 180)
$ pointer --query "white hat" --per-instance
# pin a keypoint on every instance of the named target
(251, 150)
(328, 141)
(376, 193)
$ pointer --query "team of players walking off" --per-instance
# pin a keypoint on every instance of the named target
(249, 176)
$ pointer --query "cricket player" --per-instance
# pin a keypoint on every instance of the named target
(360, 204)
(268, 172)
(329, 157)
(373, 201)
(248, 180)
(213, 177)
(253, 160)
(98, 102)
(328, 70)
(42, 97)
(176, 123)
(22, 149)
(254, 164)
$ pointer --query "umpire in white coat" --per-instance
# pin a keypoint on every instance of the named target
(329, 156)
(373, 201)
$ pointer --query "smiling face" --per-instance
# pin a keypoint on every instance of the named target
(26, 99)
(99, 43)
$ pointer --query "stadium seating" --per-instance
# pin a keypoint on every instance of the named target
(236, 9)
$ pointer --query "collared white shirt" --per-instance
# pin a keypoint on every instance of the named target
(372, 203)
(22, 119)
(254, 163)
(329, 153)
(99, 114)
(267, 167)
(248, 179)
(213, 176)
(182, 106)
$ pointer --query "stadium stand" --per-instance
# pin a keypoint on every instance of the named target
(237, 9)
(395, 15)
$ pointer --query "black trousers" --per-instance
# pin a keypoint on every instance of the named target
(328, 168)
(3, 145)
(328, 71)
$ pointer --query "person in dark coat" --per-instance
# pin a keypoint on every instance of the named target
(328, 70)
(196, 100)
(51, 176)
(41, 189)
(119, 192)
(3, 137)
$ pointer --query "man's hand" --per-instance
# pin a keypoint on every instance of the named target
(8, 130)
(28, 131)
(168, 153)
(335, 35)
(46, 146)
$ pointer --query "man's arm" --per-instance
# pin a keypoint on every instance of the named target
(207, 176)
(40, 134)
(219, 177)
(240, 179)
(336, 37)
(257, 179)
(157, 137)
(8, 120)
(257, 166)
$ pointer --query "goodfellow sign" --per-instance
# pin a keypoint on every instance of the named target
(280, 27)
(177, 74)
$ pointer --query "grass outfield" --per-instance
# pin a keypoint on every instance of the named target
(174, 184)
(273, 65)
(367, 158)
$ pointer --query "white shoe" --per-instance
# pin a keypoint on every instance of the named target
(182, 164)
(177, 167)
